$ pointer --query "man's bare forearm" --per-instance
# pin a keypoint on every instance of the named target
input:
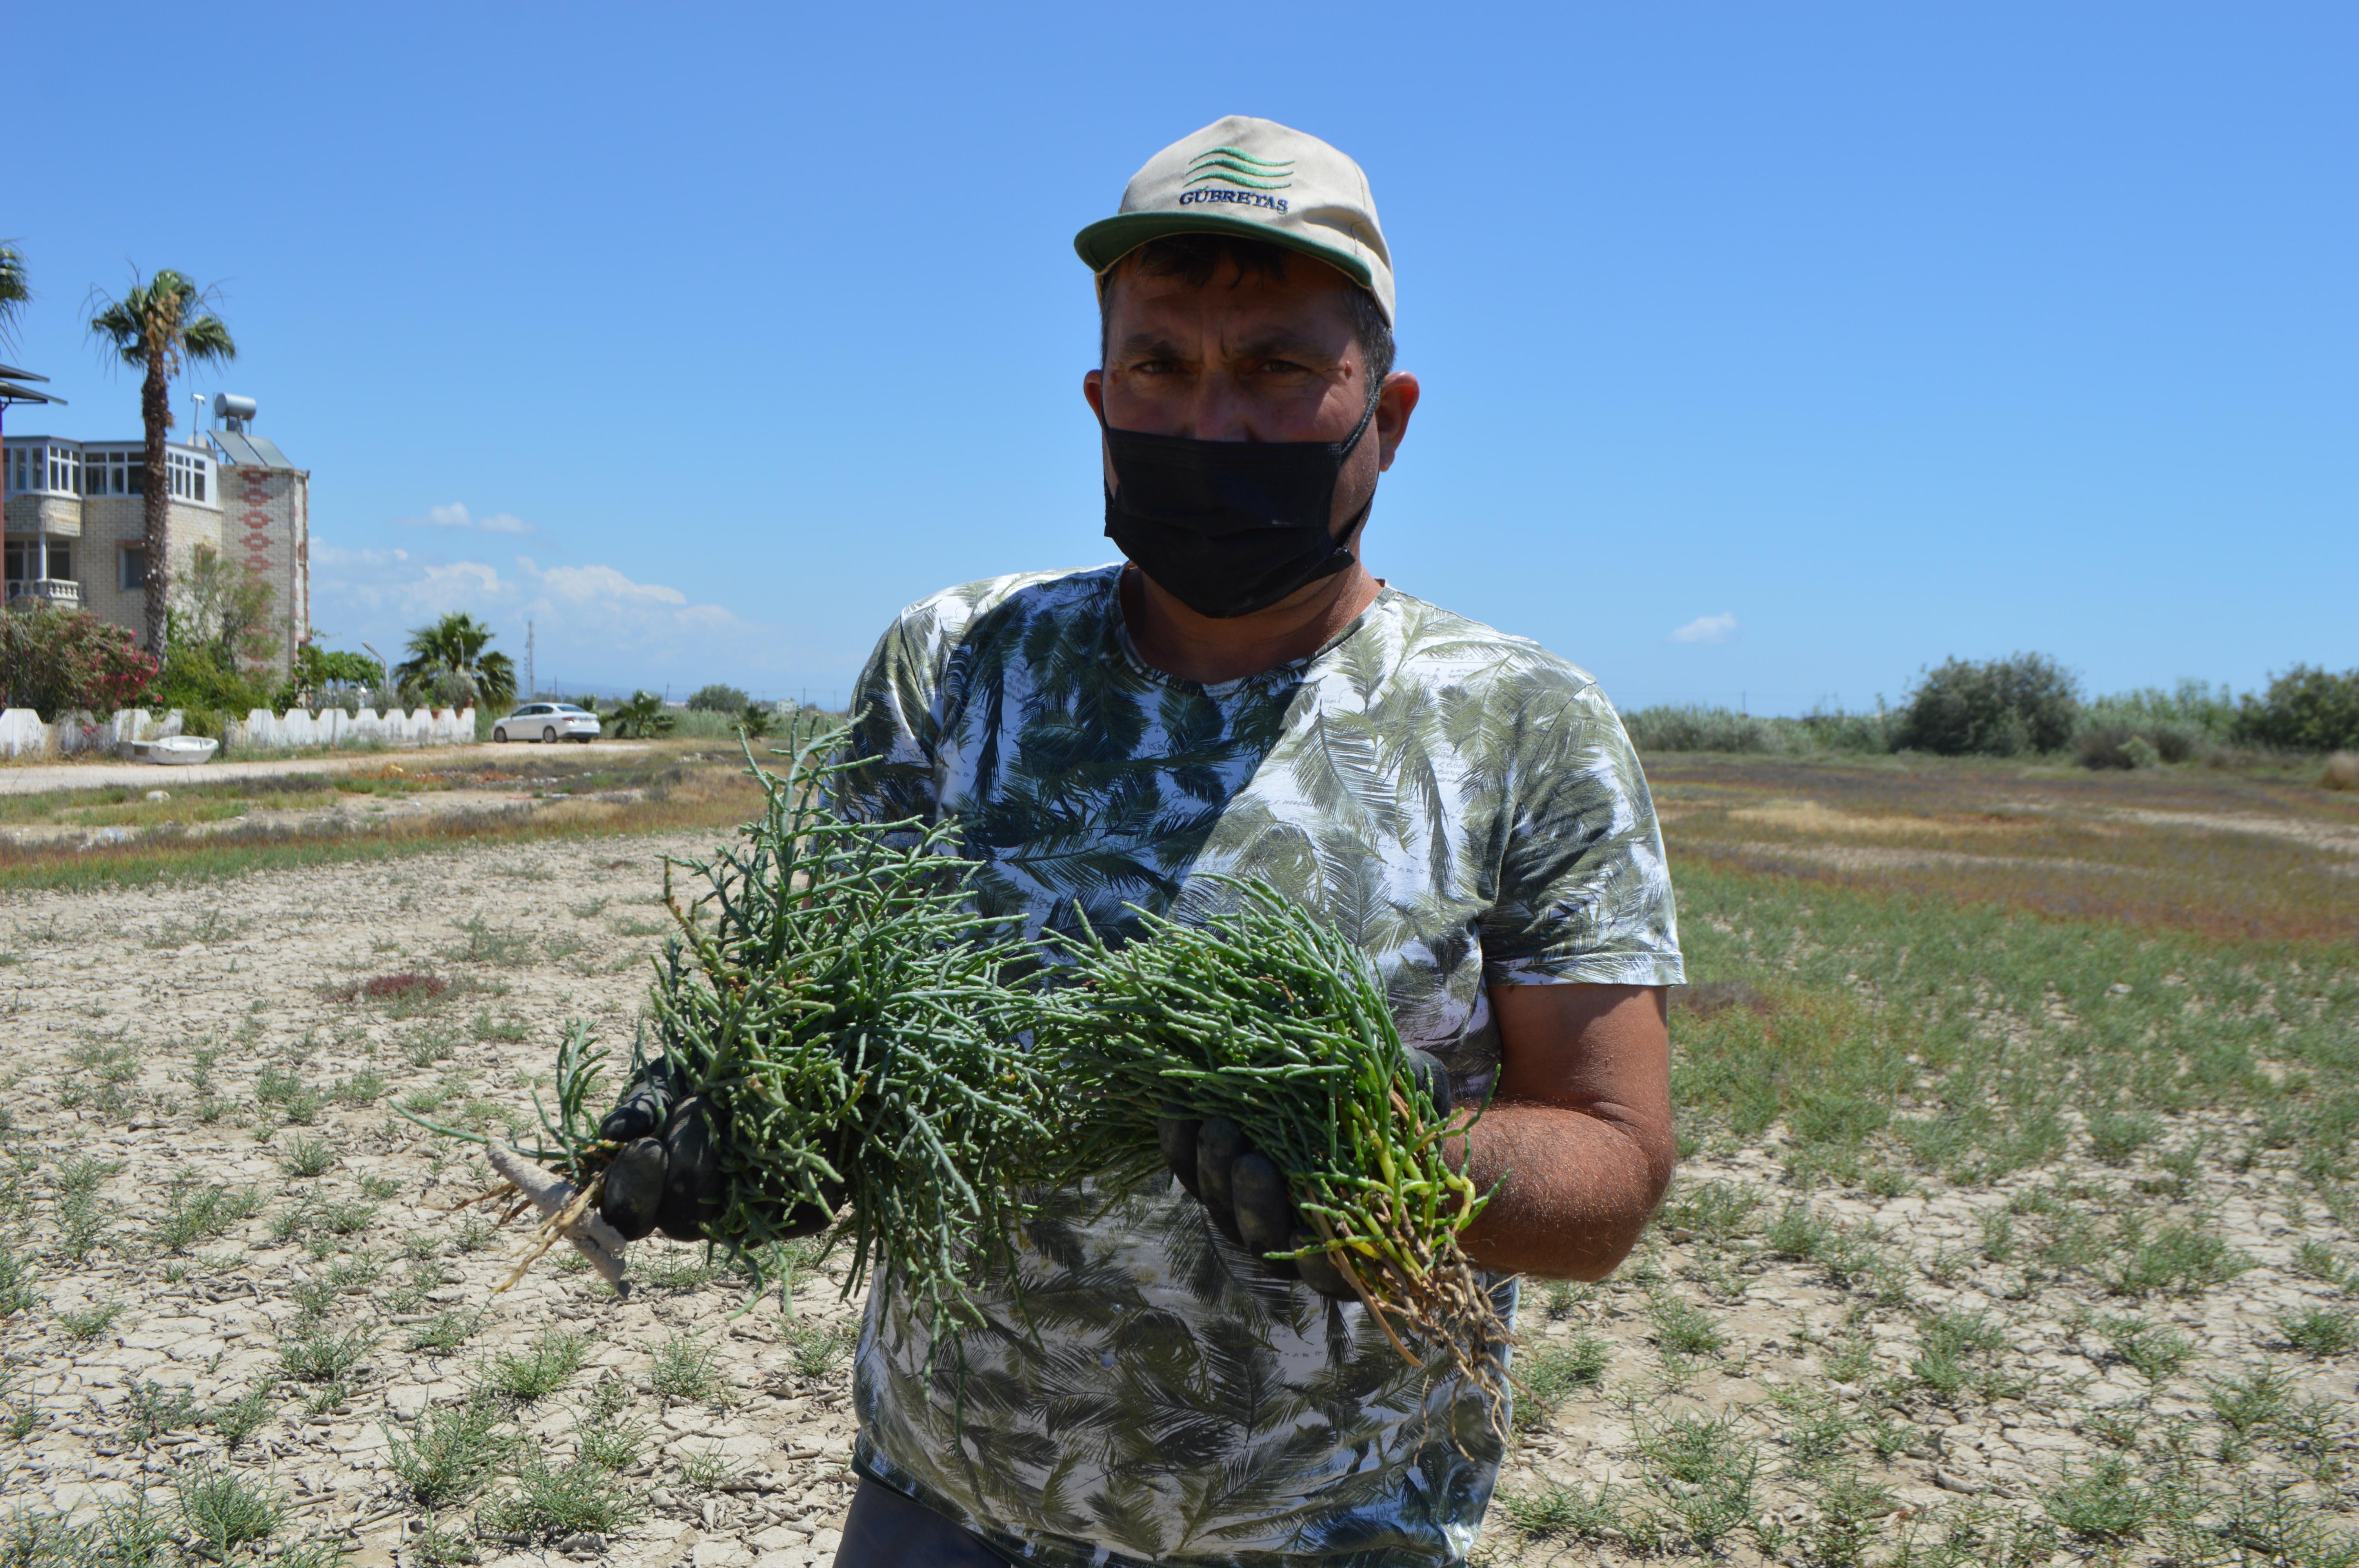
(1577, 1145)
(1571, 1191)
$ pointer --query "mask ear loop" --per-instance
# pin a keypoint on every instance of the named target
(1376, 396)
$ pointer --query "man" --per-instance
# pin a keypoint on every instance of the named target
(1241, 696)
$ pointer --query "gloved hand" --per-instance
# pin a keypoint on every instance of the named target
(1246, 1196)
(667, 1176)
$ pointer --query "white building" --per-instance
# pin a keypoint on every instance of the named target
(76, 532)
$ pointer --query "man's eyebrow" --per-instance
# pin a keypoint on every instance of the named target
(1148, 346)
(1283, 343)
(1268, 343)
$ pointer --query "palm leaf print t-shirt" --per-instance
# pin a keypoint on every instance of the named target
(1463, 804)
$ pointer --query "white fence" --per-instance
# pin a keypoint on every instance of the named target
(22, 733)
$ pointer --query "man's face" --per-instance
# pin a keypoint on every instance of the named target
(1247, 357)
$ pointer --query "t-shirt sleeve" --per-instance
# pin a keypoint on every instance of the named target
(894, 727)
(1583, 893)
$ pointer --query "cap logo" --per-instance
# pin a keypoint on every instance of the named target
(1237, 166)
(1210, 172)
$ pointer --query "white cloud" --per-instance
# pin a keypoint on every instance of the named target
(584, 584)
(591, 623)
(1706, 629)
(456, 515)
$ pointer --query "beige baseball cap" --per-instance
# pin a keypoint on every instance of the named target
(1258, 178)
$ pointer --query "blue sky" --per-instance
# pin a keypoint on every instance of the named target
(1769, 352)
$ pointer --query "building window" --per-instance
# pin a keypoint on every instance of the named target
(132, 563)
(112, 473)
(20, 554)
(60, 560)
(187, 472)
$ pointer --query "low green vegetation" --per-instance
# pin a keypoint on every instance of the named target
(686, 1368)
(539, 1371)
(2069, 1109)
(451, 1453)
(2028, 705)
(551, 1500)
(196, 1212)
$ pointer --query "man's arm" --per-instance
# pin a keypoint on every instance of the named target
(1578, 1138)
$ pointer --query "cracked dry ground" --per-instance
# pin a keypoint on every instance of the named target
(1998, 1240)
(179, 1053)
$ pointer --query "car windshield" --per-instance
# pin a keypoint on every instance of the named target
(567, 708)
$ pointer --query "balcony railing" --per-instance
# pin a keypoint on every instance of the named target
(51, 590)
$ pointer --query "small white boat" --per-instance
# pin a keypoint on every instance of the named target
(178, 751)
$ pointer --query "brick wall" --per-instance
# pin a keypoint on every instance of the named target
(111, 522)
(267, 528)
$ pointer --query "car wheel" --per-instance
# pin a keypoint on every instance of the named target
(548, 736)
(499, 734)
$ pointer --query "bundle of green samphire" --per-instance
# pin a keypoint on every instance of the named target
(852, 1027)
(1267, 1016)
(868, 1042)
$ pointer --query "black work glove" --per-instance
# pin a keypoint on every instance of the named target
(667, 1176)
(1245, 1195)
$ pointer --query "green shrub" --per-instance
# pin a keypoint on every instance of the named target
(64, 660)
(642, 717)
(1840, 731)
(322, 678)
(1693, 729)
(2305, 709)
(195, 681)
(2002, 708)
(718, 698)
(2195, 706)
(2118, 745)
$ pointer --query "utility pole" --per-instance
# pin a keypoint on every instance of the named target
(531, 682)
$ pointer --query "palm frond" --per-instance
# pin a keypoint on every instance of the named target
(162, 323)
(15, 288)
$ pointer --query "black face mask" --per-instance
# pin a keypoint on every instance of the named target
(1229, 527)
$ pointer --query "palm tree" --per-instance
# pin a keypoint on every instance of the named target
(455, 646)
(14, 289)
(155, 327)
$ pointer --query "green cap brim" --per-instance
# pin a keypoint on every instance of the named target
(1106, 241)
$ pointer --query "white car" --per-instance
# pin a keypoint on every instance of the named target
(548, 721)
